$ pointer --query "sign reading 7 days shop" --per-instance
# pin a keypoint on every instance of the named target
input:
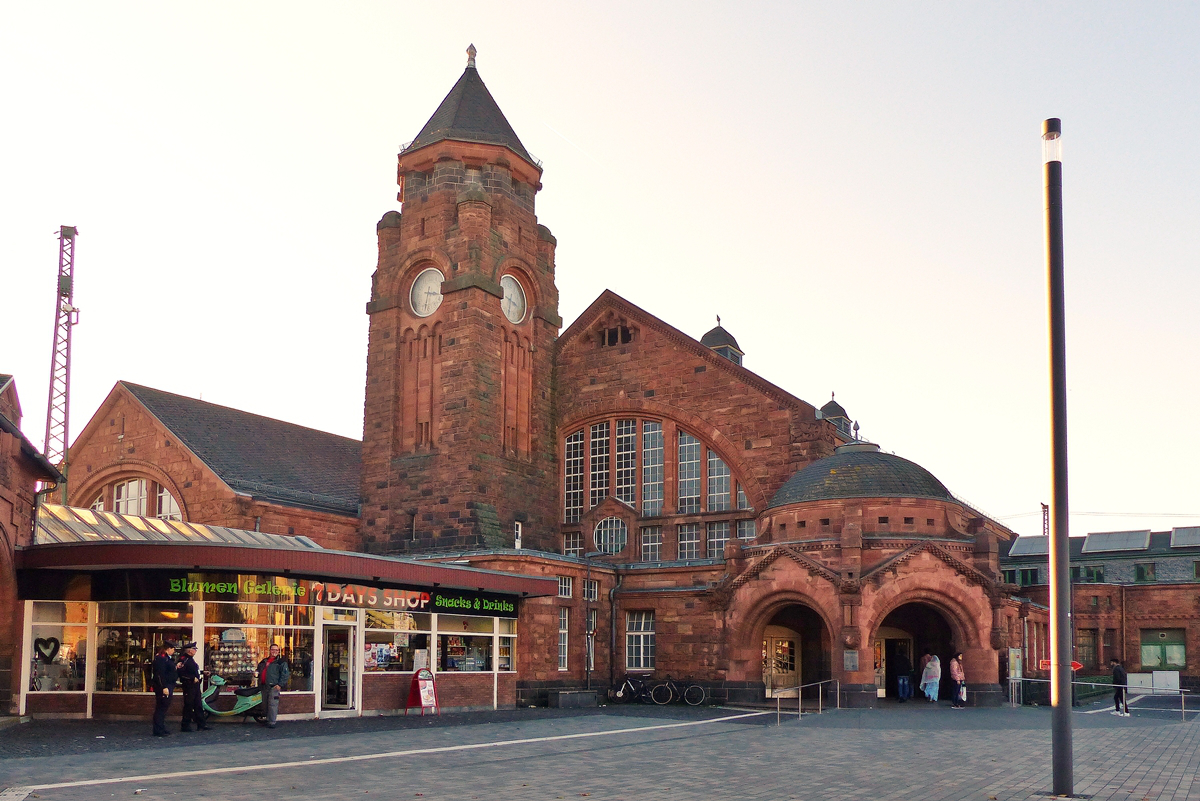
(456, 602)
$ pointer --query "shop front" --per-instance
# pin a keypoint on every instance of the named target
(93, 622)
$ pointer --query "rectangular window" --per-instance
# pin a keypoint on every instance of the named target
(393, 640)
(1109, 637)
(689, 541)
(1029, 576)
(168, 509)
(742, 502)
(1143, 571)
(689, 474)
(563, 631)
(599, 463)
(1085, 648)
(60, 632)
(572, 544)
(1093, 573)
(129, 497)
(1196, 570)
(718, 535)
(652, 469)
(1163, 649)
(718, 484)
(592, 617)
(460, 651)
(1009, 576)
(639, 641)
(591, 589)
(626, 489)
(565, 586)
(652, 544)
(573, 485)
(747, 529)
(1076, 574)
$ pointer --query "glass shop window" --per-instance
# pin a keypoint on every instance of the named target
(59, 657)
(129, 635)
(463, 650)
(233, 653)
(396, 641)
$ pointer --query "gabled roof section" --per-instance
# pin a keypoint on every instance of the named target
(611, 300)
(266, 458)
(9, 386)
(470, 114)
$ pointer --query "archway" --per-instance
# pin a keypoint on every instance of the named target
(912, 630)
(796, 648)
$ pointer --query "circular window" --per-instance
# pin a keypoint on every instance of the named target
(611, 535)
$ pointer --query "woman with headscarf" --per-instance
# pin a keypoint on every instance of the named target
(931, 676)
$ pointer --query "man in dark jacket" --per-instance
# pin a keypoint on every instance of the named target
(903, 670)
(189, 677)
(1120, 683)
(162, 681)
(273, 675)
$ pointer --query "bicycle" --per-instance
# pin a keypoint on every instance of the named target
(668, 691)
(632, 689)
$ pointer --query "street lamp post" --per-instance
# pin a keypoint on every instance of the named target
(1060, 570)
(589, 636)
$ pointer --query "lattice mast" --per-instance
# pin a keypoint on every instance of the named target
(66, 317)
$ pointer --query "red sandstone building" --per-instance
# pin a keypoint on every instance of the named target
(664, 509)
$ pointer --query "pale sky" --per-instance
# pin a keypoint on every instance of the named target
(855, 189)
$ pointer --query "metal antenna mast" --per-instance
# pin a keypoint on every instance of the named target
(66, 316)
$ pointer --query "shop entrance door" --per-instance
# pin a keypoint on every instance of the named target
(888, 643)
(340, 649)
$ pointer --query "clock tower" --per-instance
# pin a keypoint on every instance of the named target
(458, 436)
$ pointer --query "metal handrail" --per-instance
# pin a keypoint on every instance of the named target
(1013, 684)
(799, 688)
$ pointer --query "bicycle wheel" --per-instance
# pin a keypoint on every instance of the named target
(694, 695)
(662, 694)
(624, 694)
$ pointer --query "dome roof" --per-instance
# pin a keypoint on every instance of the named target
(860, 470)
(719, 337)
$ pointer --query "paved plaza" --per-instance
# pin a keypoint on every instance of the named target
(916, 751)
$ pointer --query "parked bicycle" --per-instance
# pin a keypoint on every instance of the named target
(633, 689)
(669, 690)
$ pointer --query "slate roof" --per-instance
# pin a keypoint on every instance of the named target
(833, 409)
(1159, 545)
(857, 472)
(719, 337)
(266, 458)
(470, 114)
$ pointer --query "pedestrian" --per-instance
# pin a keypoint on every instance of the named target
(960, 681)
(903, 676)
(189, 677)
(931, 676)
(1120, 688)
(925, 657)
(162, 681)
(273, 676)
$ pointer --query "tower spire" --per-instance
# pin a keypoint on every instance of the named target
(471, 51)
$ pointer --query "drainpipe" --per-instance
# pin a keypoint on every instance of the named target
(258, 524)
(612, 625)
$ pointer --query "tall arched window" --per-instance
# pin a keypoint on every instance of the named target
(139, 497)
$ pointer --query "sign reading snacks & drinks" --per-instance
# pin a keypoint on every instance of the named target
(279, 589)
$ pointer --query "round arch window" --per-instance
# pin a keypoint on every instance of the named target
(611, 535)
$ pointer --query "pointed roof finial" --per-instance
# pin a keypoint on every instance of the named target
(718, 319)
(471, 51)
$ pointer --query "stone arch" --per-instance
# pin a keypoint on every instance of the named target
(953, 606)
(802, 612)
(394, 290)
(83, 494)
(524, 273)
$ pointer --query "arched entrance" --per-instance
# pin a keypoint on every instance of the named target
(907, 633)
(796, 648)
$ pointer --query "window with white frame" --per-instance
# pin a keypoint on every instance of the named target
(652, 544)
(626, 466)
(564, 619)
(742, 501)
(573, 483)
(718, 535)
(652, 468)
(611, 535)
(599, 464)
(747, 529)
(639, 640)
(689, 541)
(129, 497)
(168, 508)
(689, 474)
(566, 586)
(718, 484)
(591, 589)
(572, 544)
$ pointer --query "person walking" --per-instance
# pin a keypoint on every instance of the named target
(189, 677)
(162, 680)
(903, 676)
(931, 676)
(1120, 689)
(960, 681)
(273, 675)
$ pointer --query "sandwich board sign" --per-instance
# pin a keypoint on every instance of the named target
(422, 692)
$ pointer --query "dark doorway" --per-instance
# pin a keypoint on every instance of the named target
(930, 632)
(815, 646)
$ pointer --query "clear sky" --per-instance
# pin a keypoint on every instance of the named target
(855, 189)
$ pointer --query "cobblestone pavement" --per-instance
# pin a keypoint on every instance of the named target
(917, 751)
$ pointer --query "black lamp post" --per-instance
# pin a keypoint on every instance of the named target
(588, 635)
(1060, 565)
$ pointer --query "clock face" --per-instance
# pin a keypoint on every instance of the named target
(426, 294)
(513, 302)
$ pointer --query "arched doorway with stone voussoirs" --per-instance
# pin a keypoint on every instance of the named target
(913, 629)
(791, 645)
